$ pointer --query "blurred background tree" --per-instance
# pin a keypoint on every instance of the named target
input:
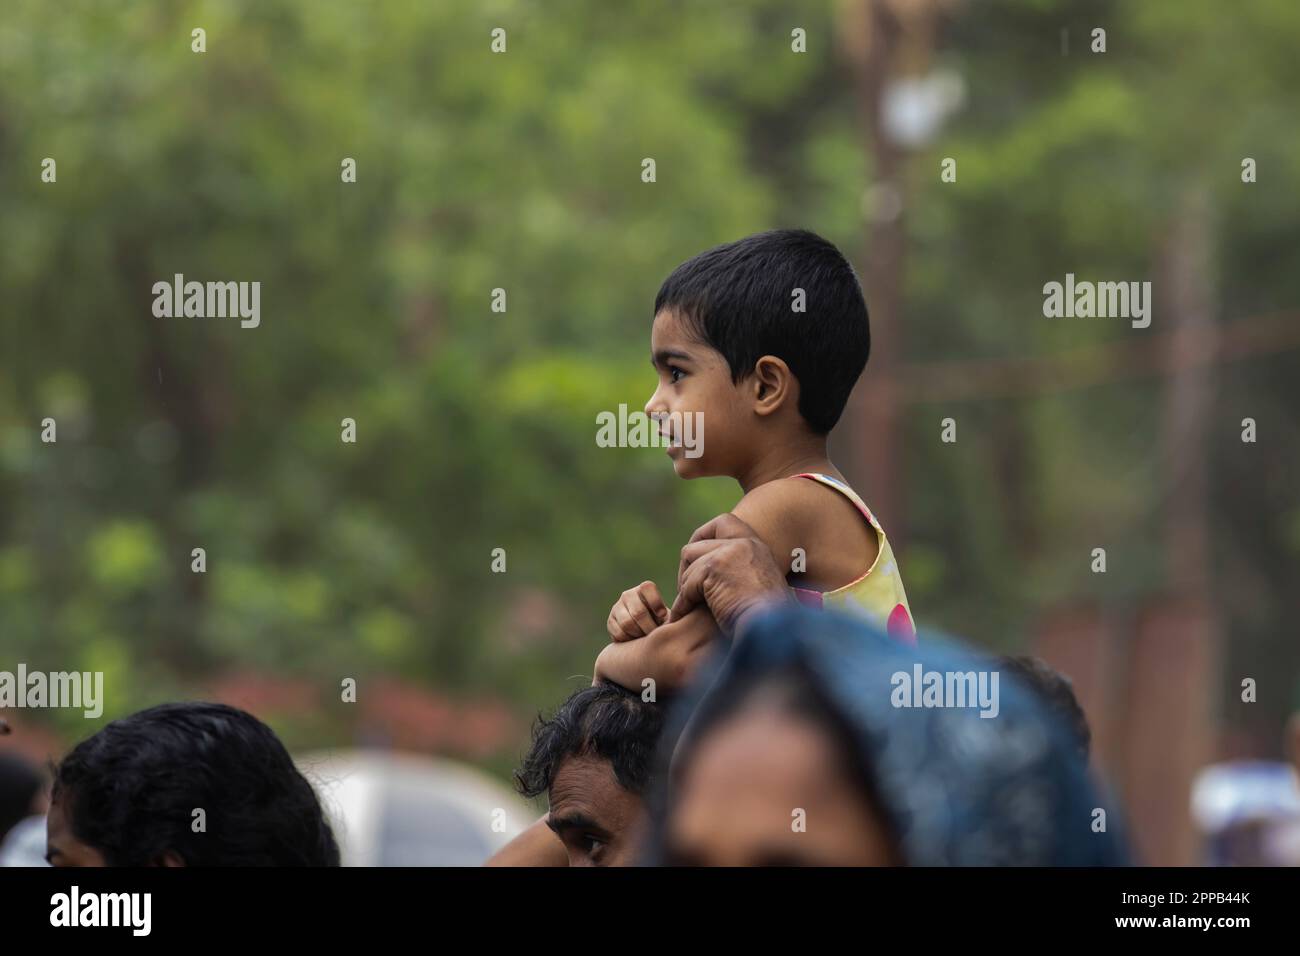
(475, 429)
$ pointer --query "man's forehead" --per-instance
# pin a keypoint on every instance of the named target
(580, 782)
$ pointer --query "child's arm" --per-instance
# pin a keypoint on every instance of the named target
(668, 655)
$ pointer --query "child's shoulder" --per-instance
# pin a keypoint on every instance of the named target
(784, 496)
(795, 506)
(825, 523)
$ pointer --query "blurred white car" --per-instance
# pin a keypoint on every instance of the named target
(1249, 813)
(396, 809)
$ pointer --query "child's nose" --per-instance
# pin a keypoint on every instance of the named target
(654, 404)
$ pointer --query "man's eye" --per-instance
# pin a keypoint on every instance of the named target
(592, 845)
(675, 373)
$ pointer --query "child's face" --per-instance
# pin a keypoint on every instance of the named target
(706, 411)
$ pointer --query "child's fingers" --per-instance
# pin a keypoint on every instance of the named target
(643, 619)
(649, 594)
(620, 624)
(625, 629)
(637, 612)
(612, 627)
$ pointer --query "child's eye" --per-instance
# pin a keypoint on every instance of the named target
(675, 373)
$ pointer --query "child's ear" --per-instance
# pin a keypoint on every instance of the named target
(773, 384)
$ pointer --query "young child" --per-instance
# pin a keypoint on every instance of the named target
(768, 380)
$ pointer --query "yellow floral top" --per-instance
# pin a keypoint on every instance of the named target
(878, 595)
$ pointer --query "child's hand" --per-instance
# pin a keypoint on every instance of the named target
(636, 613)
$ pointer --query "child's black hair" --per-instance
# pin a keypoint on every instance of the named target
(738, 298)
(132, 788)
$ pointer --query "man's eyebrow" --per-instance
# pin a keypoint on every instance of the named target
(573, 821)
(664, 356)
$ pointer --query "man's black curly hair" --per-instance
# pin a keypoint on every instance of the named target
(603, 720)
(130, 791)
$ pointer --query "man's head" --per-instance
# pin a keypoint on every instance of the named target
(131, 795)
(765, 334)
(593, 759)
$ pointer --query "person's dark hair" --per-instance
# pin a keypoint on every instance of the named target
(603, 720)
(130, 791)
(737, 298)
(1055, 690)
(20, 784)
